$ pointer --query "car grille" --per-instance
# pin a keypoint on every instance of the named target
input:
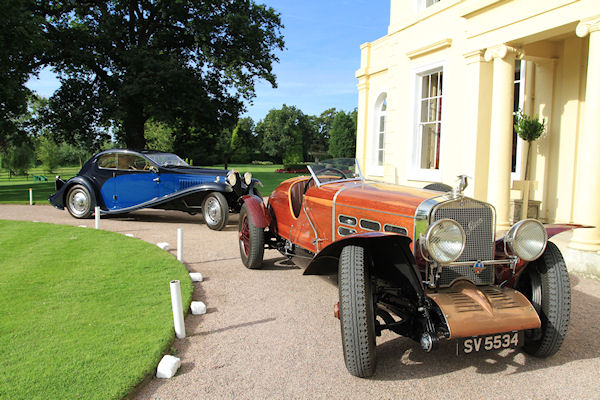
(477, 220)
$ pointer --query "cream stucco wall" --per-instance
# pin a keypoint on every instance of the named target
(456, 34)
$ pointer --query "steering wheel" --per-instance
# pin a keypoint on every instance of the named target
(325, 169)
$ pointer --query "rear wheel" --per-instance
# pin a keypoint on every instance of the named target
(546, 284)
(252, 241)
(357, 317)
(215, 211)
(79, 202)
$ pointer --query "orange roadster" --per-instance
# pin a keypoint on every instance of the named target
(425, 264)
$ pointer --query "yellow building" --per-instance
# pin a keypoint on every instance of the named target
(438, 94)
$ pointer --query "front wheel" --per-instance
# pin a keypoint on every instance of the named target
(252, 241)
(215, 211)
(79, 202)
(546, 284)
(357, 318)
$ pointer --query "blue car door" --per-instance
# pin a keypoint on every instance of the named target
(135, 183)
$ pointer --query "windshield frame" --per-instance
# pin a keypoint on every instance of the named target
(314, 170)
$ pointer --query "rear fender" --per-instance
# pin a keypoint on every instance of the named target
(391, 255)
(59, 198)
(256, 211)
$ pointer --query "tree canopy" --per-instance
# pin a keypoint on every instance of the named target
(342, 136)
(191, 64)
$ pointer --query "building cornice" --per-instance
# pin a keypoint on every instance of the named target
(430, 48)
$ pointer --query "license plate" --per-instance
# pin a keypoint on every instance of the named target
(497, 341)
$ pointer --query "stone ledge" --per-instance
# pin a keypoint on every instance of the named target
(587, 262)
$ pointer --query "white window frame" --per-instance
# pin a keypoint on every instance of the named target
(516, 176)
(415, 172)
(374, 168)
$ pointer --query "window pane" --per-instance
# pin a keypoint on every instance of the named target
(424, 114)
(107, 161)
(382, 123)
(380, 158)
(384, 105)
(434, 86)
(432, 110)
(425, 87)
(381, 136)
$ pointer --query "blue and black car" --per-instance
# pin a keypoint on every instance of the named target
(120, 181)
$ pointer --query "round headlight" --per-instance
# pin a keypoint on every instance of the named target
(232, 178)
(527, 239)
(445, 241)
(248, 178)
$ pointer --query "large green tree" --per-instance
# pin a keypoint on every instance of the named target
(188, 63)
(22, 43)
(342, 136)
(286, 134)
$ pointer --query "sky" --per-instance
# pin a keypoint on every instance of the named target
(316, 69)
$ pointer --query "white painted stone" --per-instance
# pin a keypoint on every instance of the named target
(198, 308)
(163, 245)
(129, 235)
(167, 367)
(196, 276)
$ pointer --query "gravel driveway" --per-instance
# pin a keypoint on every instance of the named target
(271, 333)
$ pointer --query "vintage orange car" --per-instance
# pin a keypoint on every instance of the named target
(425, 264)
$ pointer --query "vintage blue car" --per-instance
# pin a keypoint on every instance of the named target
(120, 181)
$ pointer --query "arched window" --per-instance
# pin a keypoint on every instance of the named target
(377, 158)
(380, 133)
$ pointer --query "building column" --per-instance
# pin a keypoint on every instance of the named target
(501, 130)
(587, 178)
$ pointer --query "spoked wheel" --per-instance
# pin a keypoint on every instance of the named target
(357, 317)
(546, 284)
(79, 202)
(215, 211)
(252, 241)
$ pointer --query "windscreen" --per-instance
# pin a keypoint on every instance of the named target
(334, 170)
(167, 160)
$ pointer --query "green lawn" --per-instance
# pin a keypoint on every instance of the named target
(16, 190)
(85, 313)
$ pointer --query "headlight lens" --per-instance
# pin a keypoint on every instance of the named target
(527, 239)
(445, 241)
(248, 178)
(232, 178)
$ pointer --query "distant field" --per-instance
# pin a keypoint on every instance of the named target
(16, 189)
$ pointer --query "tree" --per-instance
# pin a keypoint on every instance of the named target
(20, 52)
(243, 141)
(342, 136)
(286, 134)
(17, 158)
(322, 126)
(48, 152)
(159, 136)
(193, 61)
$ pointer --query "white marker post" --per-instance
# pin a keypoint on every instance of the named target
(97, 216)
(30, 196)
(179, 244)
(177, 309)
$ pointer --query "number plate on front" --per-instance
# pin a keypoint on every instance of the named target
(498, 341)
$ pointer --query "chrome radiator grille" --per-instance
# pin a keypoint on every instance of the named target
(477, 220)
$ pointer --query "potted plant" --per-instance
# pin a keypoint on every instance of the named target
(529, 129)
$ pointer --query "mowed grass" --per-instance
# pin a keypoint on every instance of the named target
(84, 313)
(15, 190)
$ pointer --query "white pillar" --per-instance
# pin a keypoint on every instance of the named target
(587, 180)
(501, 130)
(179, 244)
(97, 217)
(177, 306)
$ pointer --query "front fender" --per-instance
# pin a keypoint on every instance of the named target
(256, 211)
(390, 252)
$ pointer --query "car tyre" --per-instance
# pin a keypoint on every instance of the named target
(252, 241)
(79, 202)
(546, 284)
(215, 211)
(357, 316)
